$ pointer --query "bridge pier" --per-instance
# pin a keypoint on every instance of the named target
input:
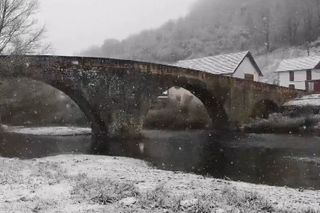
(119, 104)
(119, 121)
(125, 124)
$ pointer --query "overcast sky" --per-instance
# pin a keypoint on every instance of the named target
(74, 25)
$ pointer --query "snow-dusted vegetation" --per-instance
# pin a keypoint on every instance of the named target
(72, 184)
(308, 100)
(278, 123)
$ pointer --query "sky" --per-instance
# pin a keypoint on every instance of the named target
(75, 25)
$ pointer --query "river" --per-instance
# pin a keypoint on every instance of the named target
(280, 160)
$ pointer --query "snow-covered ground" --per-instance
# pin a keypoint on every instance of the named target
(84, 183)
(309, 100)
(47, 131)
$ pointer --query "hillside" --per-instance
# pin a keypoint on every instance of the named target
(269, 62)
(219, 26)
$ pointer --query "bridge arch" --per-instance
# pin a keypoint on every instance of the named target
(91, 116)
(212, 103)
(36, 102)
(263, 108)
(97, 125)
(177, 109)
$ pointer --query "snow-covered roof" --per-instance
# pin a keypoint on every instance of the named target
(221, 64)
(303, 63)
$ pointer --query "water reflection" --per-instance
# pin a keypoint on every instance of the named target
(268, 159)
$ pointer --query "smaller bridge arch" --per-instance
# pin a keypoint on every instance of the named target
(212, 100)
(213, 115)
(263, 108)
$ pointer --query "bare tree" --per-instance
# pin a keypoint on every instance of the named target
(263, 27)
(19, 30)
(266, 30)
(308, 30)
(317, 8)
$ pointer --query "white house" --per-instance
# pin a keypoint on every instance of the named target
(238, 65)
(300, 73)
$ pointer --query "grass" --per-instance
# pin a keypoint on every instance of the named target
(101, 191)
(244, 201)
(161, 199)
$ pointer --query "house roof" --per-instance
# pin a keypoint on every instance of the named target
(221, 64)
(303, 63)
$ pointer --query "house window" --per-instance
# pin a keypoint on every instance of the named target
(292, 86)
(291, 76)
(249, 77)
(309, 75)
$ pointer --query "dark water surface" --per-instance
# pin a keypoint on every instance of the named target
(283, 160)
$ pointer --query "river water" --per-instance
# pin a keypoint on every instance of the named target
(282, 160)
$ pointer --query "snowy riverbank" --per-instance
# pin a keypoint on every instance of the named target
(83, 183)
(47, 131)
(308, 100)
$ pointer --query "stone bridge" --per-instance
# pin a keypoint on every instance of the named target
(115, 95)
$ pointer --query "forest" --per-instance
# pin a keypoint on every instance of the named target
(220, 26)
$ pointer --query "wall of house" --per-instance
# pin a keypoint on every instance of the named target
(300, 78)
(246, 67)
(316, 74)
